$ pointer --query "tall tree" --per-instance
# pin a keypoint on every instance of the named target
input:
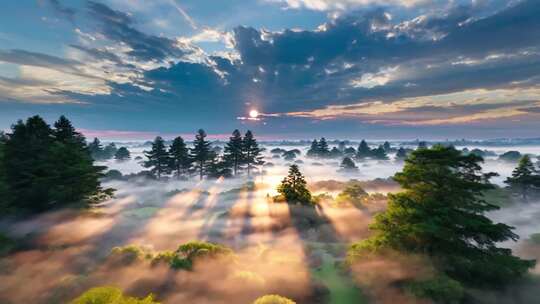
(379, 153)
(180, 159)
(158, 158)
(294, 187)
(387, 147)
(324, 150)
(3, 184)
(314, 149)
(524, 178)
(401, 153)
(363, 150)
(234, 152)
(252, 152)
(441, 213)
(202, 153)
(96, 149)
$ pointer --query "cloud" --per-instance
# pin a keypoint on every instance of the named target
(341, 5)
(61, 10)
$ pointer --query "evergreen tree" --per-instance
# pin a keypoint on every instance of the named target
(202, 154)
(158, 158)
(122, 154)
(441, 213)
(363, 150)
(109, 151)
(294, 187)
(524, 178)
(234, 151)
(335, 153)
(180, 161)
(47, 168)
(252, 152)
(314, 149)
(347, 164)
(379, 153)
(342, 146)
(401, 153)
(323, 150)
(387, 147)
(96, 149)
(3, 184)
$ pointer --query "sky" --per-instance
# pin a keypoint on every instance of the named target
(394, 69)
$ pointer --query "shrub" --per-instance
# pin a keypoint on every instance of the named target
(110, 295)
(273, 299)
(441, 289)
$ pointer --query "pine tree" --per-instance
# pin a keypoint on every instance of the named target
(109, 151)
(294, 187)
(324, 151)
(314, 149)
(180, 161)
(401, 153)
(234, 152)
(524, 178)
(441, 213)
(363, 150)
(387, 147)
(202, 154)
(96, 149)
(3, 183)
(379, 153)
(122, 154)
(252, 152)
(158, 158)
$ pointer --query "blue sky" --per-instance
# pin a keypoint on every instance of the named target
(336, 68)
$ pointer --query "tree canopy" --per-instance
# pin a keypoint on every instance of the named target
(158, 158)
(294, 187)
(524, 179)
(441, 213)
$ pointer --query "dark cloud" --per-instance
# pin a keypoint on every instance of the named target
(119, 27)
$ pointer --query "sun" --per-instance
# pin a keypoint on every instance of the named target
(253, 114)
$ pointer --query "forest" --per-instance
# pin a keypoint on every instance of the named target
(202, 221)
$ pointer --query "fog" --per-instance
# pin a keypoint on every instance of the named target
(66, 252)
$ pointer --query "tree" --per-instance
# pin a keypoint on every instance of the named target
(314, 149)
(180, 161)
(201, 153)
(335, 153)
(363, 150)
(158, 158)
(323, 150)
(3, 184)
(109, 151)
(47, 168)
(234, 152)
(122, 154)
(347, 164)
(387, 147)
(401, 153)
(379, 153)
(524, 178)
(96, 149)
(294, 187)
(441, 213)
(252, 152)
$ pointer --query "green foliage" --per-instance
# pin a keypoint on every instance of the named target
(252, 152)
(441, 213)
(524, 179)
(510, 156)
(353, 194)
(363, 150)
(379, 153)
(6, 244)
(45, 168)
(122, 154)
(158, 158)
(130, 253)
(441, 289)
(4, 199)
(320, 149)
(180, 162)
(273, 299)
(110, 295)
(234, 151)
(293, 187)
(202, 154)
(401, 153)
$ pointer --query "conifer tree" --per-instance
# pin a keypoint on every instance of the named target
(323, 150)
(379, 153)
(158, 158)
(234, 152)
(524, 178)
(252, 152)
(401, 153)
(441, 213)
(180, 160)
(387, 147)
(314, 149)
(202, 154)
(363, 150)
(294, 187)
(347, 164)
(3, 184)
(96, 149)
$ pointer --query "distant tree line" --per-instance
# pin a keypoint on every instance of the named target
(241, 154)
(42, 168)
(110, 151)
